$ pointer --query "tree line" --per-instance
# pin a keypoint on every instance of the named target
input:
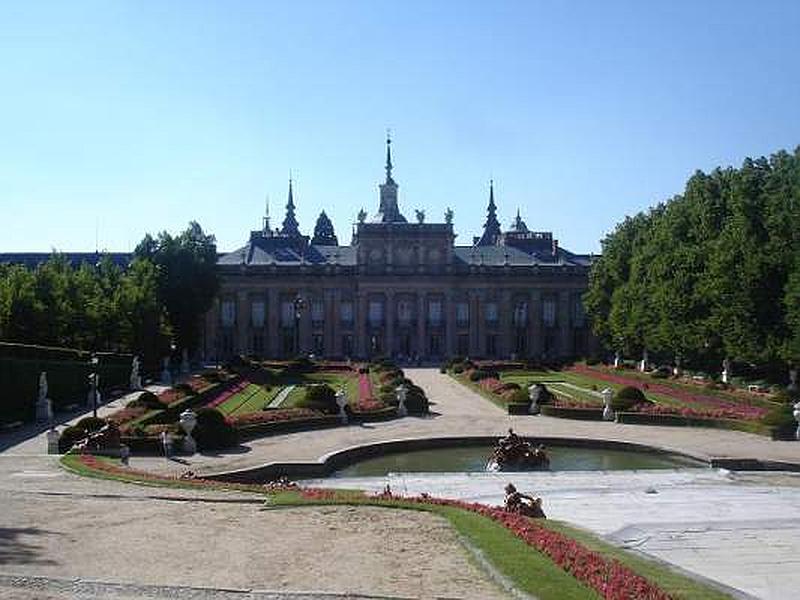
(154, 303)
(711, 274)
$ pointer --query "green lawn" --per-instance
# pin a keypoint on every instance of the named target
(334, 379)
(251, 399)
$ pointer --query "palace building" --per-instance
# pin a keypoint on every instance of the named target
(401, 289)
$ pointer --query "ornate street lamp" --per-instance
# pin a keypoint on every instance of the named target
(299, 307)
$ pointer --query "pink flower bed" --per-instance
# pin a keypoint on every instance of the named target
(228, 393)
(273, 416)
(698, 405)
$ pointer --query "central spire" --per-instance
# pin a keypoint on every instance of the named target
(388, 212)
(290, 225)
(389, 159)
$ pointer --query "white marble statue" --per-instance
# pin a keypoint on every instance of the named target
(643, 362)
(44, 406)
(188, 421)
(341, 402)
(726, 371)
(402, 392)
(617, 360)
(796, 414)
(608, 412)
(533, 395)
(136, 378)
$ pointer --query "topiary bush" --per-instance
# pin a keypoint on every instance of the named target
(212, 430)
(91, 424)
(628, 397)
(416, 402)
(147, 400)
(320, 397)
(69, 437)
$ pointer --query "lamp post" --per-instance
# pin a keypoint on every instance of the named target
(299, 307)
(93, 363)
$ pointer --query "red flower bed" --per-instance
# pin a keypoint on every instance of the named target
(611, 579)
(561, 402)
(699, 405)
(368, 405)
(364, 387)
(273, 416)
(228, 393)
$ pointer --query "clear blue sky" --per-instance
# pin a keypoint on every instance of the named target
(129, 117)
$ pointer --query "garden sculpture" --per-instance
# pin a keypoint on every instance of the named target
(608, 412)
(523, 504)
(401, 392)
(341, 402)
(188, 421)
(533, 394)
(797, 418)
(44, 406)
(136, 378)
(512, 453)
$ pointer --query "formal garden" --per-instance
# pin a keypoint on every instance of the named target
(655, 396)
(249, 398)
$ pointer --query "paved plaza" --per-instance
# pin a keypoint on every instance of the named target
(739, 529)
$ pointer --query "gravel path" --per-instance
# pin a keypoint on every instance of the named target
(140, 543)
(278, 400)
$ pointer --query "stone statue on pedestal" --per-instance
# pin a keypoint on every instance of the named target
(44, 407)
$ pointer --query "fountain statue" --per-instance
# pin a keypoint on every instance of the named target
(188, 421)
(341, 402)
(617, 359)
(402, 392)
(136, 378)
(44, 406)
(533, 393)
(608, 412)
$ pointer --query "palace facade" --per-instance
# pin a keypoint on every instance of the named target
(401, 289)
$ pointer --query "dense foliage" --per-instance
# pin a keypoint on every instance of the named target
(713, 273)
(165, 291)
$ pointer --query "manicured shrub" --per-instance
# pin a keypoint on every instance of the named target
(592, 361)
(212, 430)
(320, 397)
(69, 437)
(184, 388)
(518, 396)
(90, 424)
(780, 417)
(146, 400)
(416, 403)
(443, 368)
(628, 397)
(458, 368)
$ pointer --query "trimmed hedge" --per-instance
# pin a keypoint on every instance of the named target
(627, 398)
(320, 397)
(583, 414)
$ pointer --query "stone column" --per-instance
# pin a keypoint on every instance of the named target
(422, 317)
(474, 324)
(305, 322)
(389, 329)
(450, 324)
(564, 330)
(535, 323)
(361, 324)
(506, 345)
(242, 322)
(335, 348)
(273, 322)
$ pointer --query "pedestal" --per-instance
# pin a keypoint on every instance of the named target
(44, 410)
(52, 441)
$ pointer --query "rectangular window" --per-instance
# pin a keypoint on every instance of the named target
(228, 313)
(435, 311)
(375, 312)
(346, 312)
(462, 344)
(521, 314)
(435, 345)
(319, 344)
(258, 311)
(491, 345)
(549, 312)
(287, 314)
(258, 344)
(491, 312)
(462, 313)
(347, 345)
(317, 311)
(578, 313)
(405, 312)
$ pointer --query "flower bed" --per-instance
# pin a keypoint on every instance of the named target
(273, 416)
(701, 405)
(364, 387)
(228, 393)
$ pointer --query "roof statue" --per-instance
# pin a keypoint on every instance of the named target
(519, 225)
(420, 216)
(323, 232)
(388, 211)
(448, 216)
(491, 229)
(290, 224)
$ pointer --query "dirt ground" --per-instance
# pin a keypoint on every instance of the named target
(345, 550)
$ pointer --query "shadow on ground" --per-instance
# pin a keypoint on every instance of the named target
(16, 547)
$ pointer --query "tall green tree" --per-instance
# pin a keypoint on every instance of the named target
(187, 278)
